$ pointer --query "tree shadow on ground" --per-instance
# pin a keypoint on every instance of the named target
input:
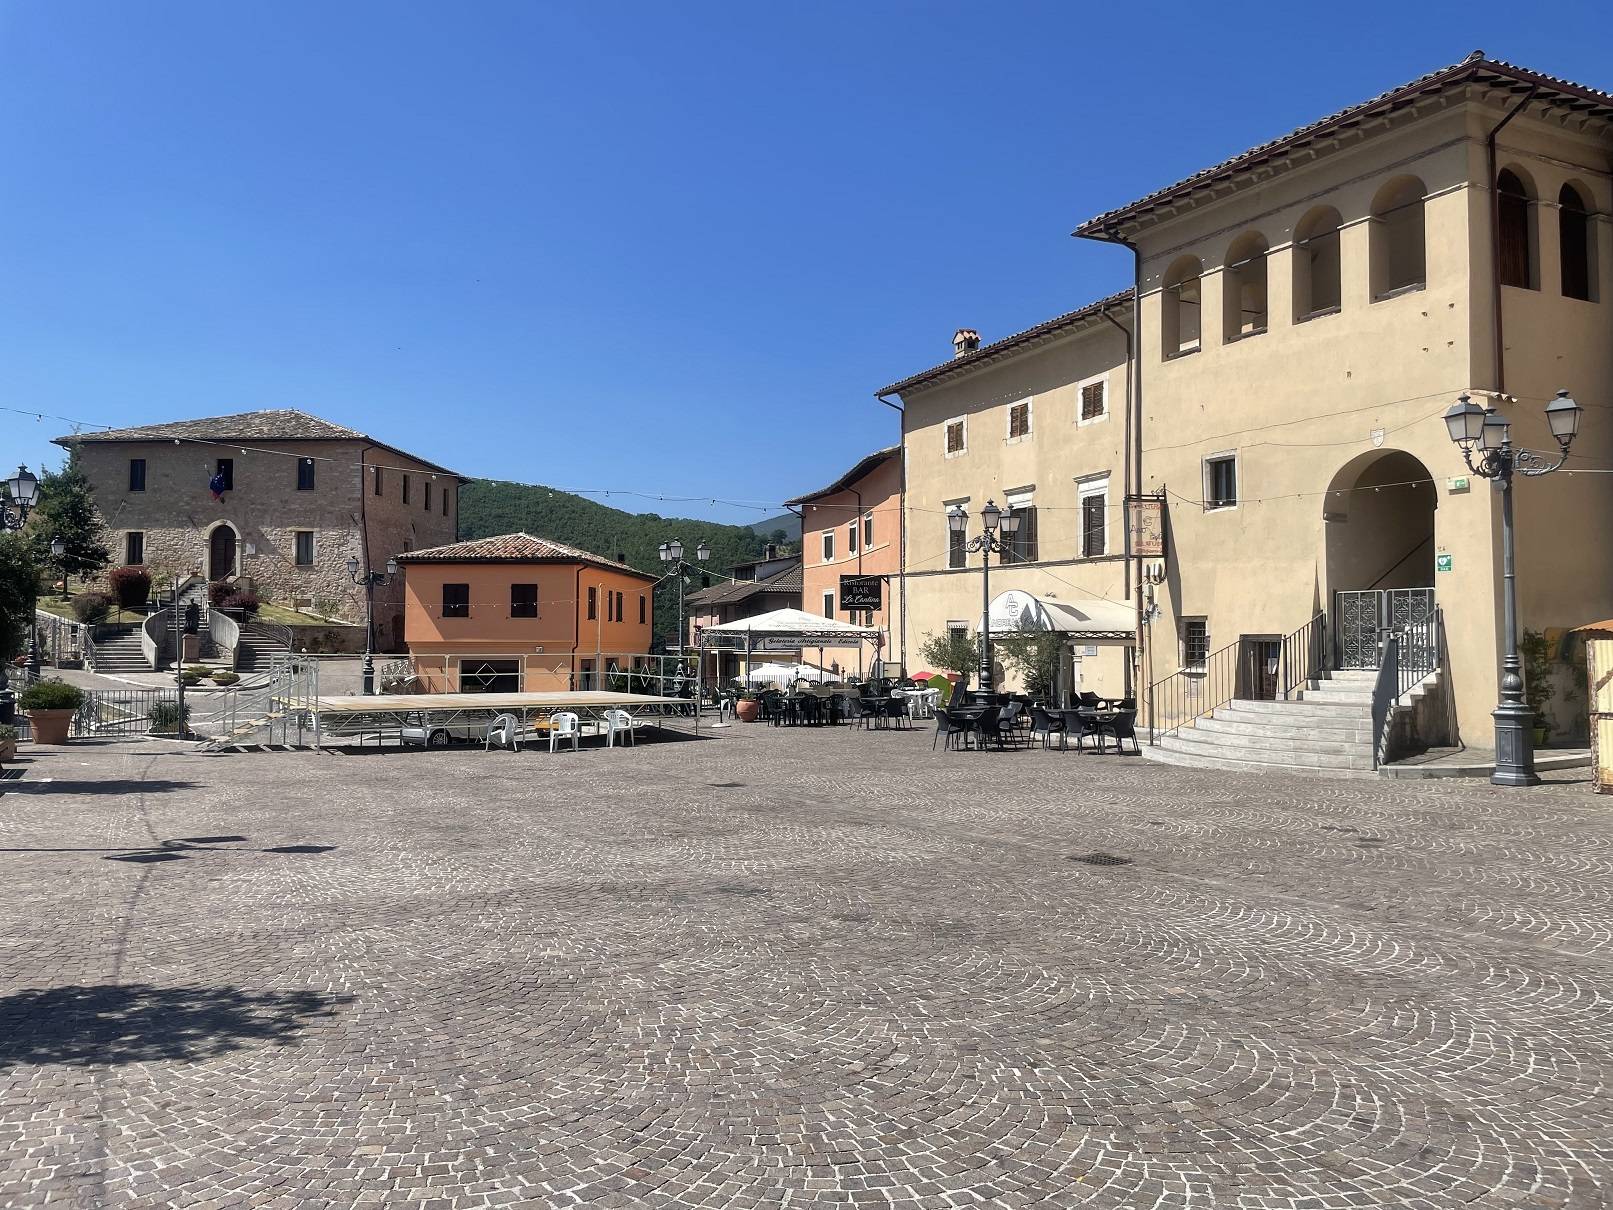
(115, 786)
(141, 1023)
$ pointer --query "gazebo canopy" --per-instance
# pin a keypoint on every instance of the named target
(784, 630)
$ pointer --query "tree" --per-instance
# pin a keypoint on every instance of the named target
(66, 510)
(19, 589)
(1035, 656)
(955, 650)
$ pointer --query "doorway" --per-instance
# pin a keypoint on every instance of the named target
(1257, 667)
(221, 545)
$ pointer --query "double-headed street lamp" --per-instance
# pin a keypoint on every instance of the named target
(58, 548)
(22, 490)
(672, 555)
(369, 580)
(987, 543)
(1485, 429)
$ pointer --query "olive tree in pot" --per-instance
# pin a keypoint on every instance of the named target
(50, 706)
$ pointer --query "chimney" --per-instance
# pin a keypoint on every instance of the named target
(965, 341)
(769, 552)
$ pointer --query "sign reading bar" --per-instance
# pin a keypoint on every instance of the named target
(1146, 516)
(862, 592)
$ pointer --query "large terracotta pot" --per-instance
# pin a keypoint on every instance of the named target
(50, 726)
(746, 711)
(8, 749)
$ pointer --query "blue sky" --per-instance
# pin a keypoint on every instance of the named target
(663, 247)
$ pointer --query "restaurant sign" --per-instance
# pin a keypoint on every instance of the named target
(777, 642)
(1146, 516)
(862, 592)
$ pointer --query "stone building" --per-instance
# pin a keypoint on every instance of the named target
(297, 498)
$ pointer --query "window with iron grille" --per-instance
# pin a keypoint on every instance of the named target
(305, 547)
(1019, 420)
(1221, 481)
(957, 556)
(137, 474)
(1195, 642)
(1094, 399)
(456, 600)
(523, 600)
(1022, 546)
(305, 474)
(956, 437)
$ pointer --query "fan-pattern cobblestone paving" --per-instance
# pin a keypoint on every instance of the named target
(796, 968)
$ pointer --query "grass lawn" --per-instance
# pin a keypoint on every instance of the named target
(289, 617)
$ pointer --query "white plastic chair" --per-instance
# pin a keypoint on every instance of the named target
(505, 732)
(562, 725)
(618, 722)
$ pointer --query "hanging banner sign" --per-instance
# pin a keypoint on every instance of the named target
(777, 642)
(1146, 517)
(862, 592)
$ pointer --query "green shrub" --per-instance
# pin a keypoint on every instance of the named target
(8, 734)
(51, 695)
(198, 669)
(189, 679)
(225, 677)
(92, 607)
(165, 717)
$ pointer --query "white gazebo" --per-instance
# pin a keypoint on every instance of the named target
(780, 631)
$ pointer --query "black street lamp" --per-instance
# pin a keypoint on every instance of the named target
(671, 553)
(58, 548)
(1470, 427)
(987, 543)
(22, 491)
(369, 580)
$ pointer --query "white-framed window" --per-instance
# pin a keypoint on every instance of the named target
(1195, 642)
(1092, 399)
(828, 545)
(1092, 499)
(957, 437)
(1022, 547)
(1221, 481)
(828, 604)
(868, 530)
(851, 537)
(1019, 420)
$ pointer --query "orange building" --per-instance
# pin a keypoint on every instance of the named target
(518, 614)
(853, 528)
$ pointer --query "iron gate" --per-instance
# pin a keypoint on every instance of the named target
(1360, 620)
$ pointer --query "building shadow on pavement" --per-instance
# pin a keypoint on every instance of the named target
(115, 785)
(139, 1023)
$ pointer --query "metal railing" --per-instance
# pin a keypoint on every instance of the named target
(277, 632)
(1409, 654)
(1385, 693)
(60, 638)
(1193, 692)
(1304, 655)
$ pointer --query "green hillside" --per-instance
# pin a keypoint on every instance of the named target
(488, 507)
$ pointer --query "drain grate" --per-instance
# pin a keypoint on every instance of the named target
(740, 888)
(1100, 859)
(1370, 842)
(726, 785)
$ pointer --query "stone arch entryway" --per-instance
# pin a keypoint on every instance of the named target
(223, 543)
(1378, 518)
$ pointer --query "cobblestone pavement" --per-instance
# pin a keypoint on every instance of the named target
(795, 968)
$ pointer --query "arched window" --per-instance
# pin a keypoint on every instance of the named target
(1316, 263)
(1179, 305)
(1243, 287)
(1575, 238)
(1514, 229)
(1398, 244)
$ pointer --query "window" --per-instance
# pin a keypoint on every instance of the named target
(620, 612)
(1094, 399)
(957, 556)
(852, 532)
(828, 545)
(868, 530)
(137, 474)
(1195, 642)
(1398, 244)
(134, 547)
(1093, 495)
(377, 489)
(1243, 287)
(1576, 244)
(610, 606)
(642, 607)
(523, 600)
(1221, 481)
(226, 472)
(593, 604)
(957, 438)
(490, 676)
(1316, 263)
(406, 489)
(1179, 307)
(445, 501)
(1022, 546)
(1514, 234)
(305, 474)
(1019, 420)
(456, 600)
(828, 604)
(304, 539)
(427, 495)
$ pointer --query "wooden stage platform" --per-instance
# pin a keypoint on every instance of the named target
(398, 703)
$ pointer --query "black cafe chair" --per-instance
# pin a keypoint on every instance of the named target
(955, 732)
(1123, 726)
(1049, 725)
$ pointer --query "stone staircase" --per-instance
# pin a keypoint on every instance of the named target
(117, 650)
(1326, 728)
(257, 649)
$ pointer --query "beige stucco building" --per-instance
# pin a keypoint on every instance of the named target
(1308, 312)
(300, 496)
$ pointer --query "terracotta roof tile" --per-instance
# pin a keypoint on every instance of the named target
(515, 548)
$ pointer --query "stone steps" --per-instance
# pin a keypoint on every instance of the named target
(1198, 760)
(1293, 754)
(1275, 726)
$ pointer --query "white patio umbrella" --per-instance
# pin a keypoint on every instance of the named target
(784, 674)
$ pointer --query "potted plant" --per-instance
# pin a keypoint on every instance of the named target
(224, 677)
(8, 743)
(50, 706)
(167, 719)
(1537, 684)
(748, 706)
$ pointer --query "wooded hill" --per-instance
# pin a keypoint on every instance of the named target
(488, 507)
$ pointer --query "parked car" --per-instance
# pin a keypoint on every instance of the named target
(419, 731)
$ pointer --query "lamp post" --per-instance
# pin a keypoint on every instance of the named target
(22, 490)
(58, 548)
(987, 543)
(1471, 426)
(369, 580)
(672, 555)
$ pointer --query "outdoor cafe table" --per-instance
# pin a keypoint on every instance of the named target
(1073, 718)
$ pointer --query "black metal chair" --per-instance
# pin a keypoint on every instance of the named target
(1123, 726)
(1049, 725)
(1008, 725)
(954, 731)
(986, 726)
(1087, 725)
